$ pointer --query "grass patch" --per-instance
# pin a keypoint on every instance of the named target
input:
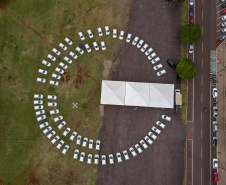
(29, 30)
(185, 164)
(184, 11)
(183, 89)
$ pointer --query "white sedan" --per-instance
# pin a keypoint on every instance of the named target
(61, 71)
(151, 56)
(111, 158)
(100, 33)
(52, 97)
(155, 60)
(103, 159)
(60, 144)
(90, 34)
(161, 72)
(95, 45)
(55, 111)
(51, 134)
(119, 158)
(128, 38)
(68, 41)
(68, 60)
(48, 64)
(153, 136)
(81, 35)
(38, 102)
(43, 80)
(132, 151)
(78, 141)
(107, 31)
(148, 51)
(79, 50)
(88, 49)
(98, 145)
(96, 159)
(55, 139)
(53, 82)
(137, 146)
(146, 138)
(58, 77)
(140, 43)
(135, 40)
(103, 46)
(89, 160)
(73, 55)
(51, 57)
(52, 104)
(38, 96)
(58, 118)
(43, 125)
(40, 112)
(159, 123)
(65, 149)
(121, 35)
(126, 155)
(60, 126)
(85, 141)
(42, 71)
(47, 129)
(40, 118)
(65, 133)
(38, 107)
(63, 65)
(145, 46)
(114, 33)
(165, 117)
(215, 94)
(156, 130)
(73, 135)
(215, 163)
(90, 144)
(157, 67)
(82, 157)
(56, 51)
(143, 144)
(76, 152)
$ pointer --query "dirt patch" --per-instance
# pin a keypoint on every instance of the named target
(107, 67)
(102, 110)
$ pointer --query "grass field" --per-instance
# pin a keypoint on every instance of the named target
(28, 32)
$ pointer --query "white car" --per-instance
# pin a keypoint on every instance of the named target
(140, 43)
(155, 60)
(40, 112)
(145, 46)
(161, 72)
(135, 40)
(58, 77)
(128, 38)
(43, 80)
(146, 138)
(100, 33)
(60, 144)
(55, 139)
(215, 127)
(223, 24)
(73, 135)
(38, 107)
(65, 133)
(88, 49)
(215, 94)
(51, 134)
(126, 155)
(119, 158)
(68, 60)
(38, 96)
(48, 64)
(47, 129)
(52, 97)
(52, 82)
(165, 117)
(78, 49)
(42, 71)
(223, 18)
(95, 45)
(156, 130)
(151, 56)
(137, 146)
(191, 2)
(61, 71)
(73, 55)
(85, 141)
(65, 149)
(153, 136)
(143, 144)
(103, 159)
(89, 160)
(55, 111)
(121, 35)
(82, 157)
(63, 65)
(111, 158)
(56, 51)
(90, 34)
(43, 125)
(68, 41)
(60, 126)
(107, 31)
(81, 35)
(38, 102)
(63, 46)
(157, 67)
(40, 118)
(78, 141)
(114, 33)
(58, 118)
(76, 152)
(90, 144)
(215, 163)
(132, 151)
(51, 57)
(190, 48)
(98, 145)
(148, 51)
(103, 47)
(96, 159)
(160, 124)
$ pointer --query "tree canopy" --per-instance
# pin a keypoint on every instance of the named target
(186, 69)
(191, 32)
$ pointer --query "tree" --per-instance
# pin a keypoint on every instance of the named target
(190, 32)
(186, 69)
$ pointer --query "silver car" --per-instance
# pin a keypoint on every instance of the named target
(215, 111)
(224, 30)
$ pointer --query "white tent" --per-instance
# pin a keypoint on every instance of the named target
(161, 95)
(113, 92)
(137, 94)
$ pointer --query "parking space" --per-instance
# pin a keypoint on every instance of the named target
(221, 20)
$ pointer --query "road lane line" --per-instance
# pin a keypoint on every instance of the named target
(201, 152)
(202, 46)
(202, 62)
(201, 97)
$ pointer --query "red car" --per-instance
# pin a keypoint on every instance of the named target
(215, 176)
(191, 20)
(223, 12)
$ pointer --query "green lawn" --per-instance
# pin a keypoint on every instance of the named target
(28, 32)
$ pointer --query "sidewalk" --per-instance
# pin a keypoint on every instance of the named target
(221, 119)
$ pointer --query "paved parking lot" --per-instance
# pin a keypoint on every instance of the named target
(221, 29)
(162, 163)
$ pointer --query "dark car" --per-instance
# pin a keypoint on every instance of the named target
(171, 63)
(191, 12)
(178, 79)
(223, 37)
(223, 5)
(214, 141)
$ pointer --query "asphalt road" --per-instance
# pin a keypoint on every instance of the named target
(158, 25)
(200, 130)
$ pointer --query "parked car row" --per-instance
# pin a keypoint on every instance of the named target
(223, 19)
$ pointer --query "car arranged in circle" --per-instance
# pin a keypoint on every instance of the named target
(68, 41)
(157, 67)
(73, 54)
(81, 35)
(60, 144)
(56, 51)
(156, 130)
(128, 38)
(79, 50)
(126, 155)
(90, 34)
(76, 153)
(65, 149)
(160, 124)
(63, 46)
(95, 45)
(160, 73)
